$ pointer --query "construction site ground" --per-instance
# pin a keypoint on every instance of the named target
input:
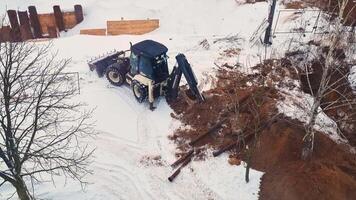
(271, 141)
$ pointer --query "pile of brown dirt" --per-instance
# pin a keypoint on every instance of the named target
(244, 105)
(294, 4)
(232, 101)
(330, 174)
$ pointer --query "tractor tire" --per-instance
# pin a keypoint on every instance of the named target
(139, 91)
(115, 76)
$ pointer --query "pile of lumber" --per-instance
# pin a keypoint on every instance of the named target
(124, 27)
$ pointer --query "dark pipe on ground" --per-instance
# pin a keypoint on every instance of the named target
(175, 174)
(183, 158)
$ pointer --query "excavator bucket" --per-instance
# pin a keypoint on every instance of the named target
(185, 69)
(100, 64)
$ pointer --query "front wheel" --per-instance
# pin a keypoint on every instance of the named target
(139, 90)
(114, 76)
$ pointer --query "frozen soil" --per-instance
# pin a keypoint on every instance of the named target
(246, 104)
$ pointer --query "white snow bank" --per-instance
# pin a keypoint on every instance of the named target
(199, 17)
(297, 104)
(226, 179)
(129, 131)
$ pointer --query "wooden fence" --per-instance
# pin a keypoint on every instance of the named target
(29, 25)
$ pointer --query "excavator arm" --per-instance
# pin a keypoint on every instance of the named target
(176, 75)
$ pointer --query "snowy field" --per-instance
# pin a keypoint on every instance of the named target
(128, 132)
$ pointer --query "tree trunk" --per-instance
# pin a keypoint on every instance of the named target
(308, 140)
(248, 165)
(21, 189)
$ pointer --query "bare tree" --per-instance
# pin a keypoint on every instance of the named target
(41, 127)
(330, 60)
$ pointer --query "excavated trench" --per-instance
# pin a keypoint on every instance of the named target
(241, 112)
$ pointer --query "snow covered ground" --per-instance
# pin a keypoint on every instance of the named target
(129, 133)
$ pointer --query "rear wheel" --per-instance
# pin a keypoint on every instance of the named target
(139, 90)
(114, 76)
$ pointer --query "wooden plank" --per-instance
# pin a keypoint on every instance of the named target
(26, 33)
(52, 31)
(69, 20)
(15, 27)
(58, 16)
(5, 34)
(136, 27)
(35, 23)
(46, 20)
(78, 13)
(99, 31)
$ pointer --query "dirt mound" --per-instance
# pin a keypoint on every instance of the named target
(231, 101)
(330, 174)
(240, 111)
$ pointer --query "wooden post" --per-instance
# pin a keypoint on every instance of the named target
(1, 35)
(23, 17)
(78, 13)
(58, 15)
(35, 22)
(25, 28)
(16, 34)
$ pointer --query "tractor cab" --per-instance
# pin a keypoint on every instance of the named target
(148, 58)
(146, 71)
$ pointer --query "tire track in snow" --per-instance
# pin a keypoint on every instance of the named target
(106, 136)
(126, 177)
(130, 184)
(209, 194)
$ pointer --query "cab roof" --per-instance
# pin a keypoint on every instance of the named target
(149, 48)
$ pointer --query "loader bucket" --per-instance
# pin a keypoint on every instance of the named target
(102, 63)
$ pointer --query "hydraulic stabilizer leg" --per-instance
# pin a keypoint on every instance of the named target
(185, 68)
(150, 94)
(173, 84)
